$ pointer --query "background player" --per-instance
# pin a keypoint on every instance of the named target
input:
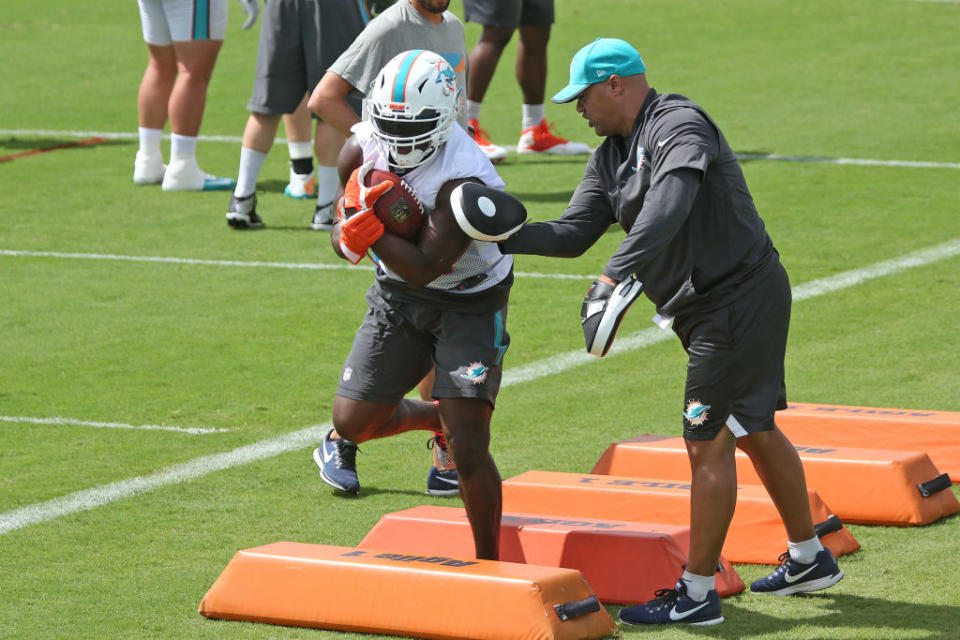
(500, 18)
(299, 39)
(183, 39)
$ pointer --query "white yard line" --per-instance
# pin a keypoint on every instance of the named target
(104, 494)
(113, 135)
(111, 425)
(317, 266)
(199, 467)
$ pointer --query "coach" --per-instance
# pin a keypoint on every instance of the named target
(694, 239)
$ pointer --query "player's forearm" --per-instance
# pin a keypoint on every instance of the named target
(329, 102)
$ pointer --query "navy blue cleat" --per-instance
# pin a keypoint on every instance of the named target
(674, 606)
(794, 577)
(337, 460)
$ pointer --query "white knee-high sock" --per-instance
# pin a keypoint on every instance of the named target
(251, 162)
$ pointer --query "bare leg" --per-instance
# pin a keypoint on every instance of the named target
(780, 470)
(713, 497)
(297, 124)
(261, 131)
(156, 87)
(195, 62)
(327, 142)
(483, 60)
(466, 424)
(359, 421)
(425, 386)
(531, 67)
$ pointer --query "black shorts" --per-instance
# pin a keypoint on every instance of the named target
(735, 374)
(509, 14)
(399, 342)
(298, 42)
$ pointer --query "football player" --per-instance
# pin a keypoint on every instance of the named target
(439, 303)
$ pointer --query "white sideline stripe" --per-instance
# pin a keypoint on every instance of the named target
(855, 161)
(111, 425)
(104, 494)
(653, 335)
(318, 266)
(743, 156)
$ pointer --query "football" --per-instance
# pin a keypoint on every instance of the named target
(399, 209)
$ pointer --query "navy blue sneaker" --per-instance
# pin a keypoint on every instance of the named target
(794, 577)
(674, 605)
(442, 483)
(337, 460)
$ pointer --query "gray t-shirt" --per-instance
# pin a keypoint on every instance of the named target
(402, 28)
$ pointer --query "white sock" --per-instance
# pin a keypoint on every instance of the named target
(182, 147)
(806, 550)
(473, 110)
(533, 114)
(251, 162)
(300, 150)
(328, 179)
(698, 586)
(150, 142)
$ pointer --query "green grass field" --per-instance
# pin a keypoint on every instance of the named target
(117, 533)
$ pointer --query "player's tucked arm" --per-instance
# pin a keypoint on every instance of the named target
(586, 219)
(440, 244)
(329, 102)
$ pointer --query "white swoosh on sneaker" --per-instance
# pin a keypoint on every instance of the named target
(328, 454)
(448, 480)
(675, 616)
(793, 578)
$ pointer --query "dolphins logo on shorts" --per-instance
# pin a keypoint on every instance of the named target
(475, 373)
(696, 413)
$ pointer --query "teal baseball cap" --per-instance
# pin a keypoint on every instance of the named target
(598, 61)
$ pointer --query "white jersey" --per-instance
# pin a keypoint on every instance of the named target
(458, 158)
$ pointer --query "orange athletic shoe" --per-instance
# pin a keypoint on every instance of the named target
(493, 152)
(540, 139)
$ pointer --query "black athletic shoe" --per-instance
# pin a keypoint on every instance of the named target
(242, 213)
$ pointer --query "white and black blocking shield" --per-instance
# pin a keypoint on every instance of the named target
(486, 214)
(603, 308)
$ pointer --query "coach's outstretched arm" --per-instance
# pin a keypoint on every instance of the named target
(566, 237)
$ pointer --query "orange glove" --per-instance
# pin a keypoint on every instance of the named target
(356, 197)
(358, 232)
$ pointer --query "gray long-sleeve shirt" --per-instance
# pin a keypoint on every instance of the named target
(693, 233)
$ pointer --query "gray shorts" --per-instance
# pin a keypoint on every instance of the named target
(399, 342)
(509, 14)
(735, 373)
(299, 40)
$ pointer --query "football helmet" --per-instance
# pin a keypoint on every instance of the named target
(412, 105)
